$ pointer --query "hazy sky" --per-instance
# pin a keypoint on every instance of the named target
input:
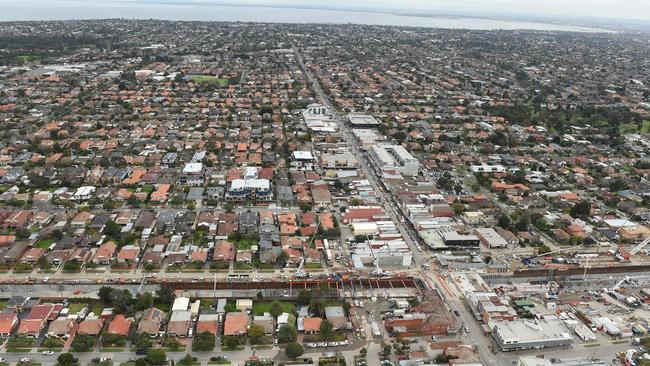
(631, 9)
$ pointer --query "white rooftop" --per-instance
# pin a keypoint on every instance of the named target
(238, 184)
(192, 168)
(303, 155)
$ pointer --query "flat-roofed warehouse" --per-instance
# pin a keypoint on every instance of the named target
(490, 237)
(397, 158)
(362, 120)
(527, 334)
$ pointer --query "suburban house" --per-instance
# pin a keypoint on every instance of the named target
(128, 255)
(151, 322)
(91, 326)
(105, 253)
(224, 251)
(207, 323)
(179, 323)
(336, 316)
(60, 328)
(120, 325)
(236, 324)
(34, 323)
(8, 323)
(311, 325)
(265, 321)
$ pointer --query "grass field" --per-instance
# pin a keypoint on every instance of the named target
(246, 244)
(259, 308)
(75, 308)
(163, 306)
(201, 79)
(97, 309)
(44, 243)
(26, 59)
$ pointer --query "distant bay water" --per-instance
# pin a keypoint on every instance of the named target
(89, 9)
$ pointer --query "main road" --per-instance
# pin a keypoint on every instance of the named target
(392, 207)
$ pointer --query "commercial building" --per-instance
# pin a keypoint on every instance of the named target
(367, 137)
(395, 158)
(485, 168)
(454, 239)
(339, 161)
(362, 121)
(527, 334)
(250, 189)
(490, 238)
(192, 175)
(303, 160)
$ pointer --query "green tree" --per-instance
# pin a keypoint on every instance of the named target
(294, 350)
(143, 342)
(305, 207)
(458, 208)
(156, 356)
(83, 343)
(57, 234)
(65, 359)
(522, 223)
(133, 201)
(141, 362)
(203, 342)
(105, 294)
(581, 209)
(43, 263)
(255, 333)
(22, 233)
(441, 359)
(618, 185)
(112, 230)
(317, 307)
(121, 300)
(232, 343)
(326, 330)
(143, 301)
(165, 295)
(276, 309)
(282, 259)
(187, 360)
(287, 333)
(504, 221)
(304, 297)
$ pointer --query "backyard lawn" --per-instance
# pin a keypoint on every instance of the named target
(97, 309)
(246, 244)
(76, 307)
(261, 307)
(44, 243)
(207, 79)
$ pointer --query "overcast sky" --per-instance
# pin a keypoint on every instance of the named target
(625, 9)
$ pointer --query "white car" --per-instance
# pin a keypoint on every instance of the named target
(48, 353)
(25, 359)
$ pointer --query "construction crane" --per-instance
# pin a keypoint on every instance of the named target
(553, 290)
(528, 260)
(620, 254)
(378, 272)
(641, 246)
(300, 273)
(627, 279)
